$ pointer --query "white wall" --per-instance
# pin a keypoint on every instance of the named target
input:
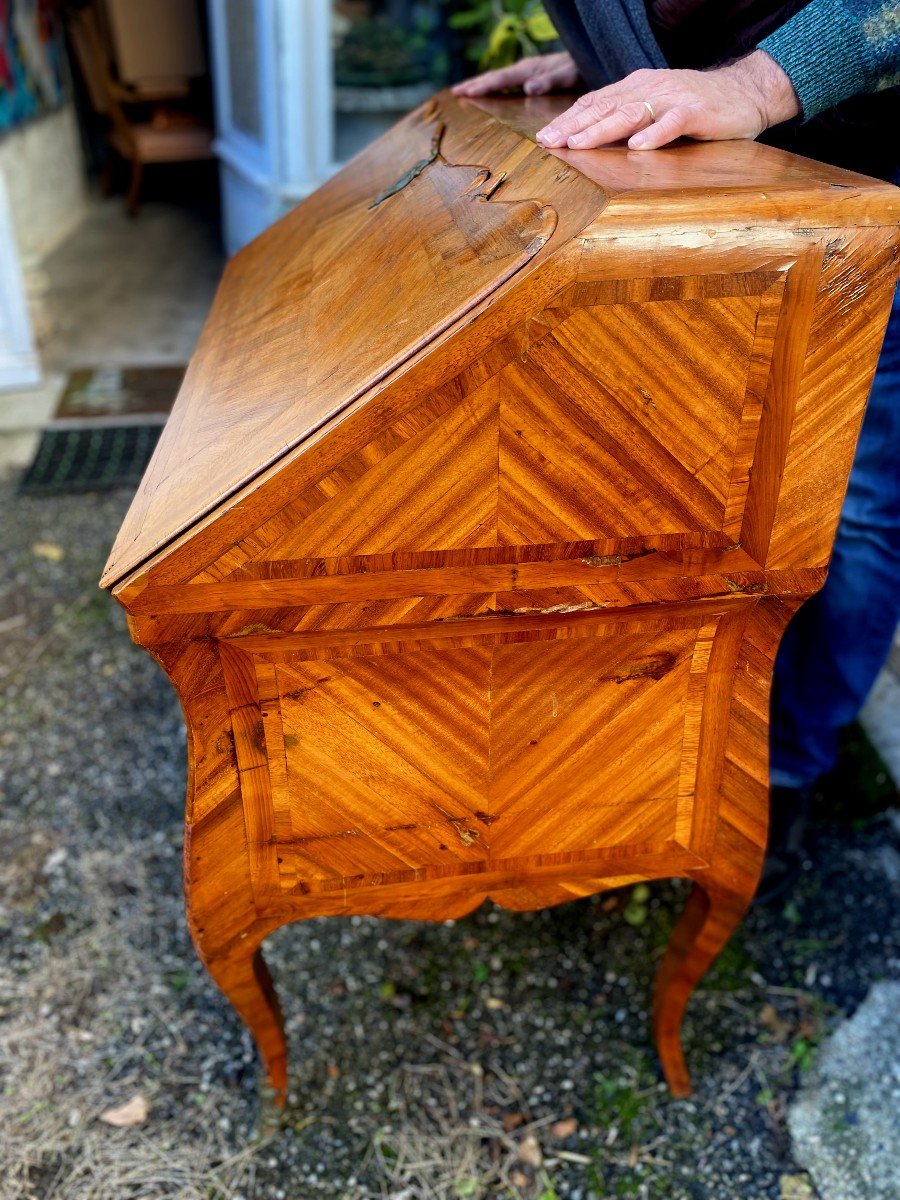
(42, 165)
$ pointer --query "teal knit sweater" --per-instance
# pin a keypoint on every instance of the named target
(833, 49)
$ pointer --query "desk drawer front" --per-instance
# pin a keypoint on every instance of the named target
(449, 754)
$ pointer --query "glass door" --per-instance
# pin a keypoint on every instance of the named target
(302, 85)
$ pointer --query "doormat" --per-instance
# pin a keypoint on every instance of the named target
(104, 430)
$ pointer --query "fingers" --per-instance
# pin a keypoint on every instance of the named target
(611, 114)
(495, 81)
(546, 81)
(584, 113)
(625, 120)
(602, 124)
(668, 127)
(539, 85)
(556, 71)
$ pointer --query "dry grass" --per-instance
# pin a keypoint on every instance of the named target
(60, 1020)
(452, 1137)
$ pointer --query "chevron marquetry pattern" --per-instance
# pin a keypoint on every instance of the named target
(446, 458)
(387, 760)
(586, 741)
(592, 436)
(598, 434)
(399, 761)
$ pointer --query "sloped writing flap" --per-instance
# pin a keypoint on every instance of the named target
(358, 278)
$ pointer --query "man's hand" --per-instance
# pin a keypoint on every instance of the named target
(737, 101)
(535, 76)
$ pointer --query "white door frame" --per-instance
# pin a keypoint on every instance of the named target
(19, 364)
(290, 152)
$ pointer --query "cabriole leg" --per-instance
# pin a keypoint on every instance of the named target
(244, 978)
(711, 915)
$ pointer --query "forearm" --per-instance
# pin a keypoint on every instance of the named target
(760, 78)
(833, 49)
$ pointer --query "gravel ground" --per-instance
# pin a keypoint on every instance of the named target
(505, 1055)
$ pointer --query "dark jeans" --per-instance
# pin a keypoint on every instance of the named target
(838, 641)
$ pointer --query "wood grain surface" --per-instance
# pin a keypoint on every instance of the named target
(493, 484)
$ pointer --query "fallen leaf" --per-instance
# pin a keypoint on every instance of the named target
(808, 1027)
(466, 1187)
(795, 1187)
(48, 550)
(512, 1120)
(133, 1113)
(564, 1129)
(530, 1151)
(776, 1025)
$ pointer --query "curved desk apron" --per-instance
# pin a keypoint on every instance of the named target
(492, 484)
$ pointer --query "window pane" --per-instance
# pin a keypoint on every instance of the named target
(389, 55)
(243, 68)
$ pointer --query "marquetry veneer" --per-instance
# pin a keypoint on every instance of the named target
(492, 485)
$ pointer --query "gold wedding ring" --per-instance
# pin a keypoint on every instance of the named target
(649, 108)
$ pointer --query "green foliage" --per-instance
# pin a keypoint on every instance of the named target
(802, 1053)
(375, 52)
(503, 30)
(178, 980)
(635, 911)
(731, 970)
(615, 1100)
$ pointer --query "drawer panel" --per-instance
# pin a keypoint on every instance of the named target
(428, 758)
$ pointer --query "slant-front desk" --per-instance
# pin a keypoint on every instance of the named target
(492, 485)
